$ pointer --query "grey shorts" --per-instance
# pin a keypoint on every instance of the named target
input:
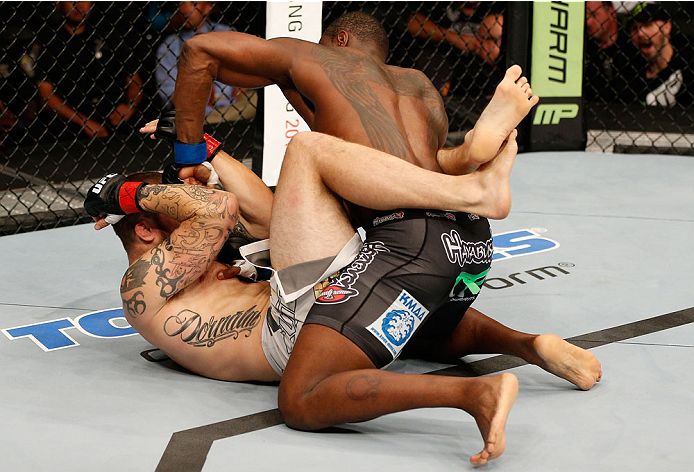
(293, 292)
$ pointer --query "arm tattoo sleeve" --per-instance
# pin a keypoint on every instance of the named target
(181, 202)
(135, 276)
(240, 236)
(135, 305)
(189, 250)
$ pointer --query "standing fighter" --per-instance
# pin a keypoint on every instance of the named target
(405, 275)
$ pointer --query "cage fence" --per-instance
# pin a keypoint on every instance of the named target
(78, 80)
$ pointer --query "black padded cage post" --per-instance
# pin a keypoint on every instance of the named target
(518, 52)
(556, 74)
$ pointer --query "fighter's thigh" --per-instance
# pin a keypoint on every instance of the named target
(444, 337)
(319, 352)
(309, 221)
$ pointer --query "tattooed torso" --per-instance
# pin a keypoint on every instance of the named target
(354, 97)
(213, 327)
(388, 108)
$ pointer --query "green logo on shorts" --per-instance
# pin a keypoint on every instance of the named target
(471, 282)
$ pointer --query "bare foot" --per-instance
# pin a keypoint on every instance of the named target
(491, 412)
(511, 102)
(492, 180)
(567, 361)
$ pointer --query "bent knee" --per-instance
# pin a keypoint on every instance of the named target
(303, 142)
(296, 410)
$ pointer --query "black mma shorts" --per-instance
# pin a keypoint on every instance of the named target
(413, 262)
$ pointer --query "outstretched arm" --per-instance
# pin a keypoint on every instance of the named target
(422, 27)
(486, 44)
(231, 58)
(62, 108)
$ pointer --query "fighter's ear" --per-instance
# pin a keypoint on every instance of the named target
(342, 38)
(144, 230)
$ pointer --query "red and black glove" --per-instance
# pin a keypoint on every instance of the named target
(112, 195)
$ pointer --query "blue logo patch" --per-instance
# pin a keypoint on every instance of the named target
(397, 324)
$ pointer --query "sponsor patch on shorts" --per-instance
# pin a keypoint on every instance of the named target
(339, 288)
(441, 214)
(461, 252)
(396, 325)
(398, 215)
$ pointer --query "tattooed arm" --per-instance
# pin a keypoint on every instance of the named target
(232, 58)
(253, 196)
(207, 219)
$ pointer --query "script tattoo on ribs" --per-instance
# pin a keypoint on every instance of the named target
(192, 330)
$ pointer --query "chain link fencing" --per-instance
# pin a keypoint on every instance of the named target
(639, 77)
(77, 84)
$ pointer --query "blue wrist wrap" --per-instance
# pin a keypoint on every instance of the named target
(190, 154)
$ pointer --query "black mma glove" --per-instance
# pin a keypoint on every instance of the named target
(112, 195)
(170, 174)
(166, 127)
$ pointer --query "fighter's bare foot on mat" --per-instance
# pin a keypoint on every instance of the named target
(563, 359)
(491, 413)
(511, 102)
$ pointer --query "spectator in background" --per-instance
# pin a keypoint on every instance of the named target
(197, 19)
(668, 76)
(19, 104)
(467, 80)
(7, 122)
(605, 58)
(466, 25)
(84, 79)
(163, 18)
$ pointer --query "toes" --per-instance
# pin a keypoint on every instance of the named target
(522, 81)
(480, 458)
(514, 72)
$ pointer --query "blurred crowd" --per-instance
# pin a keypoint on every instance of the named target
(89, 70)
